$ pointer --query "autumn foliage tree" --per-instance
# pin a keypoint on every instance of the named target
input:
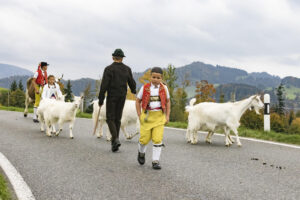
(204, 92)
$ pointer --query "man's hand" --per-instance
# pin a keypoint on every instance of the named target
(37, 90)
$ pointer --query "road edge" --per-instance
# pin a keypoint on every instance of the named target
(20, 187)
(245, 138)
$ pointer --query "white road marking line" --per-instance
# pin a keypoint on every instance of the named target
(245, 138)
(20, 187)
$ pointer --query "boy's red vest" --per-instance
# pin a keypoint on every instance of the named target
(40, 80)
(146, 96)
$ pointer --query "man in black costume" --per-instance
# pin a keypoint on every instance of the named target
(114, 81)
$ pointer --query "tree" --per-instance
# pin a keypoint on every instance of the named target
(146, 77)
(87, 95)
(17, 98)
(21, 87)
(170, 77)
(13, 86)
(204, 91)
(291, 117)
(68, 92)
(222, 97)
(298, 114)
(279, 108)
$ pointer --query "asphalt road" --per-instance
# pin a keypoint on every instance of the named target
(85, 168)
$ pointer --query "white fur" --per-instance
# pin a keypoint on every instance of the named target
(210, 116)
(129, 117)
(52, 112)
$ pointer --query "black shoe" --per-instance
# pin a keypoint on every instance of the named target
(115, 145)
(35, 121)
(156, 165)
(141, 158)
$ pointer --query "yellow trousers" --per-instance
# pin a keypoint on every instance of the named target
(152, 127)
(38, 96)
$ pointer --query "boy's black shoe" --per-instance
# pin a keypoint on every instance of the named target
(35, 121)
(115, 145)
(156, 165)
(141, 158)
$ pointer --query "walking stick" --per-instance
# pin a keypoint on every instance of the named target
(96, 125)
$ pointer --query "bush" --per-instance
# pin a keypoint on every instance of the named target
(17, 98)
(294, 128)
(251, 120)
(277, 122)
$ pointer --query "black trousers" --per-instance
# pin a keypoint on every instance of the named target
(114, 110)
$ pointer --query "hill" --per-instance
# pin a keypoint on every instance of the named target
(12, 70)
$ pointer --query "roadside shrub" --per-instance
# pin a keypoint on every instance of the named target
(17, 98)
(277, 123)
(251, 120)
(294, 128)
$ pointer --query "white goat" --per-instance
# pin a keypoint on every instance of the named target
(210, 116)
(40, 111)
(59, 112)
(129, 117)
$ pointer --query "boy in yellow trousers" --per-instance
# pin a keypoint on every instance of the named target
(153, 109)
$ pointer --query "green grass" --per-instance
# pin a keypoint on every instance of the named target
(258, 134)
(3, 89)
(4, 192)
(83, 115)
(17, 109)
(291, 92)
(177, 124)
(30, 110)
(271, 136)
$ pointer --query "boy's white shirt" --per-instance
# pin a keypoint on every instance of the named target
(48, 90)
(153, 92)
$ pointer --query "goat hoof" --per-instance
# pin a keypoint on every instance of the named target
(71, 137)
(99, 136)
(25, 115)
(239, 145)
(208, 142)
(49, 135)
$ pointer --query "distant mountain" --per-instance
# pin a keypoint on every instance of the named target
(198, 71)
(6, 82)
(12, 70)
(293, 81)
(240, 90)
(79, 85)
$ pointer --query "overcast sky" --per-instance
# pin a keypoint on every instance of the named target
(77, 37)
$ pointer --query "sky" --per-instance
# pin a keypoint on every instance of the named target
(77, 37)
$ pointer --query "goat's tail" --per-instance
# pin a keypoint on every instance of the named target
(191, 105)
(95, 111)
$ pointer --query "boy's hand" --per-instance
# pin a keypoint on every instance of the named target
(167, 119)
(37, 90)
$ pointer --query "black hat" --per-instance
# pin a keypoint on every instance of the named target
(118, 53)
(44, 64)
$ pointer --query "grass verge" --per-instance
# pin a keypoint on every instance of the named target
(10, 108)
(4, 192)
(258, 134)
